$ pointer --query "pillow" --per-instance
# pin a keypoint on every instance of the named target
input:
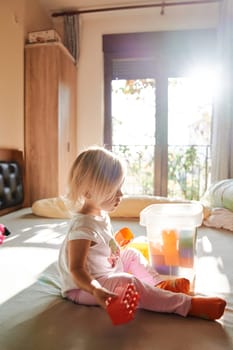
(131, 206)
(57, 207)
(220, 218)
(219, 195)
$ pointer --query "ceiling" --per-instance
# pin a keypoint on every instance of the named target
(62, 5)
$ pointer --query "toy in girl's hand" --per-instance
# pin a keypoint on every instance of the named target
(122, 308)
(3, 232)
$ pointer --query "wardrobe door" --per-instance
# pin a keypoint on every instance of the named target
(67, 118)
(50, 119)
(41, 125)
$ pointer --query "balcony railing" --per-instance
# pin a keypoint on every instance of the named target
(189, 169)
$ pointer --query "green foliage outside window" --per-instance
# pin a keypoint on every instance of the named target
(188, 166)
(184, 170)
(184, 173)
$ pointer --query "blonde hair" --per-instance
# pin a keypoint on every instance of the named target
(96, 173)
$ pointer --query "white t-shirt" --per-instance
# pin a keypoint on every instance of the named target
(103, 258)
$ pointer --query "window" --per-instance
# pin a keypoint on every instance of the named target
(144, 74)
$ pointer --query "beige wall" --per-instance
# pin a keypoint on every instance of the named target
(16, 18)
(90, 68)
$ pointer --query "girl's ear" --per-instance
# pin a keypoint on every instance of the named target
(87, 195)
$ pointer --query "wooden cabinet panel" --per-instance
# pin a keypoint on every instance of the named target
(50, 119)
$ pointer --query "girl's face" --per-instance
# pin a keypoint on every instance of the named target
(91, 207)
(113, 203)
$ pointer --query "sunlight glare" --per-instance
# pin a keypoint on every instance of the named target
(204, 82)
(207, 267)
(46, 235)
(206, 245)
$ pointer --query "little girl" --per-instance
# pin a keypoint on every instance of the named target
(91, 263)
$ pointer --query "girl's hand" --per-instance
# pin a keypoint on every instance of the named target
(102, 295)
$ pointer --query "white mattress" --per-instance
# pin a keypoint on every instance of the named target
(33, 315)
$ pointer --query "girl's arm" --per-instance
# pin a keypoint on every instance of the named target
(77, 253)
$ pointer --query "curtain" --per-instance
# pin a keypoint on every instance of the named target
(71, 34)
(222, 133)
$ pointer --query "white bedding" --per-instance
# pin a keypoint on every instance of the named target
(220, 218)
(33, 316)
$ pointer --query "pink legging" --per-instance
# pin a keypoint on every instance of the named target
(145, 278)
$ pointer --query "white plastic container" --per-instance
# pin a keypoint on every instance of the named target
(171, 232)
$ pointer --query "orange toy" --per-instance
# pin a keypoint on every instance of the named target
(124, 236)
(170, 247)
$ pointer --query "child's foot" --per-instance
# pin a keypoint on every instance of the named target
(178, 285)
(208, 308)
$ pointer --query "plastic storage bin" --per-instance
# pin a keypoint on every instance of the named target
(171, 232)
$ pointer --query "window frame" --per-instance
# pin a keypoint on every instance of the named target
(166, 50)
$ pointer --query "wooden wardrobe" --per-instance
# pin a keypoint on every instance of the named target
(50, 119)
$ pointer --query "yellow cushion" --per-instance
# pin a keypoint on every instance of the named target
(131, 206)
(57, 207)
(142, 247)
